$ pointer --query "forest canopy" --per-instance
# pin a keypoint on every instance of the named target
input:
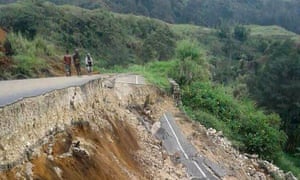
(210, 13)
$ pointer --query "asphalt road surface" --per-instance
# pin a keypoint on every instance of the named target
(198, 167)
(15, 90)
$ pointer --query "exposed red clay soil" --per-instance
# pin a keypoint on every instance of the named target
(103, 148)
(2, 35)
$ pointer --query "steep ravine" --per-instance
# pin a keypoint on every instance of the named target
(93, 132)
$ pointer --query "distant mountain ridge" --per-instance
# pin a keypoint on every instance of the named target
(209, 13)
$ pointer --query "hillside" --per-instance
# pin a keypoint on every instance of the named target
(209, 13)
(242, 80)
(110, 38)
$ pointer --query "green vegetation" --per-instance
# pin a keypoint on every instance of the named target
(288, 162)
(111, 39)
(225, 108)
(270, 31)
(190, 66)
(210, 13)
(155, 72)
(252, 130)
(28, 57)
(241, 33)
(276, 87)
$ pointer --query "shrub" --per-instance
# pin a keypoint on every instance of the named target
(276, 87)
(185, 49)
(27, 66)
(255, 131)
(28, 55)
(191, 66)
(241, 33)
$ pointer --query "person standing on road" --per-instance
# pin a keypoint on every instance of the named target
(67, 62)
(76, 60)
(89, 63)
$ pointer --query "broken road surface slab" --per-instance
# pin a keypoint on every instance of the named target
(130, 79)
(198, 167)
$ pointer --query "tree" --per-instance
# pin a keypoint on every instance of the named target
(241, 33)
(224, 31)
(191, 65)
(159, 44)
(277, 86)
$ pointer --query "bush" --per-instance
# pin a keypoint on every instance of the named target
(185, 49)
(276, 86)
(28, 55)
(241, 33)
(255, 131)
(191, 66)
(27, 66)
(288, 162)
(36, 47)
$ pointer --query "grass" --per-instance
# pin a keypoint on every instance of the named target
(271, 31)
(208, 120)
(155, 72)
(255, 30)
(30, 56)
(203, 35)
(288, 162)
(180, 29)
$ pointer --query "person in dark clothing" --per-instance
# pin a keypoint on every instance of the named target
(8, 49)
(67, 62)
(89, 63)
(76, 60)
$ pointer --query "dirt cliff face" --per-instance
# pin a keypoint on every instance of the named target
(82, 152)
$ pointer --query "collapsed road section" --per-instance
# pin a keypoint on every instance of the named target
(198, 167)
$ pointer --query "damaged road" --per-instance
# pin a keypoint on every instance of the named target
(176, 144)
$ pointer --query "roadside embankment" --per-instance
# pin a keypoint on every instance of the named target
(24, 124)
